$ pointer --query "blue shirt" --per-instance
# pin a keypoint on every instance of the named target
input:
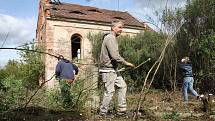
(65, 69)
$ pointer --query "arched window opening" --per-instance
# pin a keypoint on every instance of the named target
(76, 46)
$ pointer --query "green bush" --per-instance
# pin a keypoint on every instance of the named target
(17, 77)
(53, 99)
(32, 67)
(14, 94)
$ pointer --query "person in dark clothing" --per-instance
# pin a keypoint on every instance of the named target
(65, 72)
(188, 80)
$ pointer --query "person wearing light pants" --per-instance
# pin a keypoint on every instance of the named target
(188, 80)
(109, 59)
(110, 80)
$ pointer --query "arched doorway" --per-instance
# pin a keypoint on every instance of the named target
(76, 46)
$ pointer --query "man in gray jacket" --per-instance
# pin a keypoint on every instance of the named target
(109, 59)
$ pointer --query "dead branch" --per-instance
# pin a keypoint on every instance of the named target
(168, 40)
(42, 84)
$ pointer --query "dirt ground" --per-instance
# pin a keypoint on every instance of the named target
(161, 106)
(157, 106)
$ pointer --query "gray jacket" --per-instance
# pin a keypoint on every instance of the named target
(109, 56)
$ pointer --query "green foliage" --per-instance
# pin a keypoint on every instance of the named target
(172, 19)
(173, 116)
(136, 49)
(12, 68)
(13, 94)
(196, 39)
(79, 94)
(53, 99)
(29, 70)
(18, 77)
(96, 40)
(32, 66)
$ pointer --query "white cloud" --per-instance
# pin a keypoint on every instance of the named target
(19, 32)
(152, 10)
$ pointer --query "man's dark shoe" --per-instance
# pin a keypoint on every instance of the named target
(121, 113)
(198, 98)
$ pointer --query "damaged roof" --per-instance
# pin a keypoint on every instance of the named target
(87, 13)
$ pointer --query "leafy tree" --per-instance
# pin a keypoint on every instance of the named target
(17, 77)
(32, 66)
(172, 20)
(138, 49)
(196, 39)
(12, 68)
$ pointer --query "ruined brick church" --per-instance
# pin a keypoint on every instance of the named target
(62, 29)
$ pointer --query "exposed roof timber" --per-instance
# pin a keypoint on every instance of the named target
(73, 11)
(94, 23)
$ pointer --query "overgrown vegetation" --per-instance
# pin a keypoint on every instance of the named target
(138, 49)
(173, 116)
(96, 40)
(19, 79)
(196, 39)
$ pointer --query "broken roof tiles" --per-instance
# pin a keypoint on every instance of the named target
(87, 13)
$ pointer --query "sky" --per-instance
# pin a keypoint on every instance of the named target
(18, 18)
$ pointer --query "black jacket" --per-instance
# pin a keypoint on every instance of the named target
(186, 69)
